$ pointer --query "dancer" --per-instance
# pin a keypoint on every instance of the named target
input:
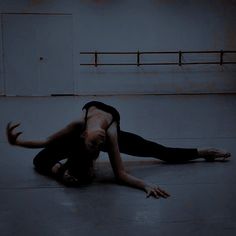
(98, 129)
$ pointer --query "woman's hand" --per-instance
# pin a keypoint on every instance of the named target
(13, 137)
(155, 191)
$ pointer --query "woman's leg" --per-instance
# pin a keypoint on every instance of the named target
(135, 145)
(77, 169)
(47, 159)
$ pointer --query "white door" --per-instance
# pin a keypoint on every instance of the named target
(38, 54)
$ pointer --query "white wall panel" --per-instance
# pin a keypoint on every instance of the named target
(55, 47)
(1, 61)
(20, 55)
(38, 54)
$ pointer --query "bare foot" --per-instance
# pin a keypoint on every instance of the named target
(210, 154)
(56, 168)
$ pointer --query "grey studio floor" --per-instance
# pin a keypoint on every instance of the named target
(203, 194)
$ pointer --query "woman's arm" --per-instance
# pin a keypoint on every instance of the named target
(13, 138)
(119, 170)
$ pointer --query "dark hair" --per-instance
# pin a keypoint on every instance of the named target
(82, 169)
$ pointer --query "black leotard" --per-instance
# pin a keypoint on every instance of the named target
(102, 106)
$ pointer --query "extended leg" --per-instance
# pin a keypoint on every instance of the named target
(135, 145)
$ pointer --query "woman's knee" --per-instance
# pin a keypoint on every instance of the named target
(43, 161)
(38, 159)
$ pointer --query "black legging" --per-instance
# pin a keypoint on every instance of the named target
(129, 143)
(135, 145)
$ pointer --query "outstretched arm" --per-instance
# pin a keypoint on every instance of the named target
(119, 170)
(13, 137)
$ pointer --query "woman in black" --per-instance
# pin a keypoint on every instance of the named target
(99, 130)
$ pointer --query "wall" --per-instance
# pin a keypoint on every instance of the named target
(152, 25)
(1, 62)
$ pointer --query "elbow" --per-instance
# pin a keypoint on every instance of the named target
(121, 176)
